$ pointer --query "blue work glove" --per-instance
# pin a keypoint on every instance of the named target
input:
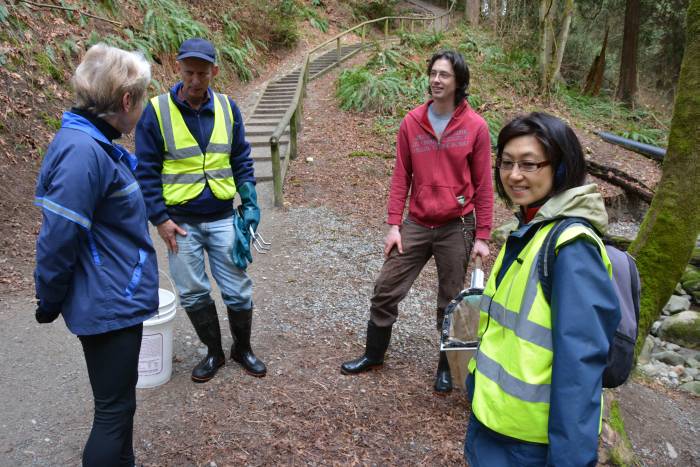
(249, 202)
(46, 312)
(240, 254)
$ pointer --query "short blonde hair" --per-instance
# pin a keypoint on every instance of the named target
(105, 75)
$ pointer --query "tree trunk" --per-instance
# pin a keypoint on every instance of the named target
(494, 6)
(555, 65)
(545, 30)
(594, 80)
(666, 237)
(627, 85)
(473, 10)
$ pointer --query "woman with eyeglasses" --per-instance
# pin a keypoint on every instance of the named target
(536, 380)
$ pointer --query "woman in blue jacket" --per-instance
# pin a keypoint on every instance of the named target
(536, 379)
(95, 263)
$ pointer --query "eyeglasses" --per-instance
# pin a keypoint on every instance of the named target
(440, 74)
(524, 166)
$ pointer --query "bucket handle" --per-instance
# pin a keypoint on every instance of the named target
(172, 285)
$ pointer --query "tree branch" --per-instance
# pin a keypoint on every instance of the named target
(75, 10)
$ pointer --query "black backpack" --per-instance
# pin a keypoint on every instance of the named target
(627, 287)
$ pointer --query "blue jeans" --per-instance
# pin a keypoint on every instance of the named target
(188, 272)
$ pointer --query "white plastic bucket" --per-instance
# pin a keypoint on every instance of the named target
(156, 357)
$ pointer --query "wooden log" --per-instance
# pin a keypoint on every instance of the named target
(619, 178)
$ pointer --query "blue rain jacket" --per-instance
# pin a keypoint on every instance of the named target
(94, 257)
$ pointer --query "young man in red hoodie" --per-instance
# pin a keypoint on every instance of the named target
(443, 157)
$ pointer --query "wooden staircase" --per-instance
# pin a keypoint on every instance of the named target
(275, 101)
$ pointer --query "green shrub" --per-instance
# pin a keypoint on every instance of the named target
(47, 63)
(4, 14)
(132, 41)
(474, 101)
(384, 57)
(109, 5)
(359, 89)
(370, 154)
(53, 123)
(495, 122)
(422, 40)
(167, 24)
(237, 51)
(69, 48)
(363, 10)
(315, 19)
(282, 20)
(652, 136)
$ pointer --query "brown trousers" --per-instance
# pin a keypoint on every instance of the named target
(451, 246)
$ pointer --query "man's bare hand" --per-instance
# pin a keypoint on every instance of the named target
(167, 231)
(392, 239)
(480, 248)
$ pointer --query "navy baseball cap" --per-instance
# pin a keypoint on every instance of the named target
(197, 48)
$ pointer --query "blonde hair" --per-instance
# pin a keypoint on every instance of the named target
(105, 75)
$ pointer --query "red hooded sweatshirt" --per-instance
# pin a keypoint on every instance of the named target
(449, 177)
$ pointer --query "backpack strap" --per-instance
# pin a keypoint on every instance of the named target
(636, 286)
(548, 253)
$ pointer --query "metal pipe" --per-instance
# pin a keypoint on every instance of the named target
(652, 152)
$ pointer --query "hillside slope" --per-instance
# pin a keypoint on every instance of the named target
(40, 47)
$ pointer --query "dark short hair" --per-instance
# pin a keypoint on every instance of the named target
(460, 68)
(561, 147)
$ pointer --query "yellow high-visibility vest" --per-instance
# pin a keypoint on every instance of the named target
(186, 170)
(513, 364)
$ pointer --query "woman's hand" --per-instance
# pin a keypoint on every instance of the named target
(392, 239)
(480, 248)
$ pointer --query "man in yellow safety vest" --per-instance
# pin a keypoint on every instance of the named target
(193, 159)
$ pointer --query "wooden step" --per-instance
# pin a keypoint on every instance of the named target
(262, 140)
(274, 105)
(263, 171)
(260, 130)
(268, 112)
(262, 153)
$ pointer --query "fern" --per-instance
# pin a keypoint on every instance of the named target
(385, 58)
(167, 24)
(236, 51)
(494, 122)
(423, 40)
(359, 89)
(69, 48)
(4, 14)
(315, 20)
(643, 135)
(474, 101)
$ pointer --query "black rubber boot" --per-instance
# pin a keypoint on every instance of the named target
(443, 378)
(206, 324)
(375, 348)
(241, 322)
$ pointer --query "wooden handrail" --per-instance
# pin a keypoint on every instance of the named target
(293, 113)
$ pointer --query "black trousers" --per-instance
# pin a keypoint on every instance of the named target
(112, 362)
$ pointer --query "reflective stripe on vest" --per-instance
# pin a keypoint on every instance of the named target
(514, 361)
(186, 170)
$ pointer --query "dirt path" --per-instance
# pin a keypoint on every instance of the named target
(311, 300)
(311, 296)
